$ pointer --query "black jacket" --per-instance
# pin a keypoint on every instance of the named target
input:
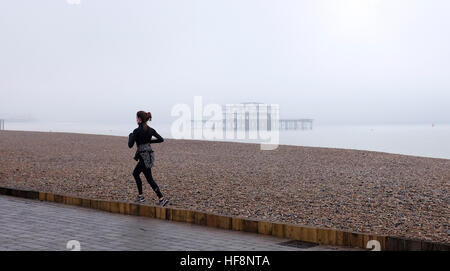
(142, 136)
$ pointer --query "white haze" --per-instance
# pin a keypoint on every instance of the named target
(337, 61)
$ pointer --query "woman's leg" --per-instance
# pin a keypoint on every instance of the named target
(136, 172)
(149, 177)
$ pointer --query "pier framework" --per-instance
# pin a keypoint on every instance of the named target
(250, 116)
(296, 124)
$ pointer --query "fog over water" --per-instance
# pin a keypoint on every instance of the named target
(347, 64)
(416, 140)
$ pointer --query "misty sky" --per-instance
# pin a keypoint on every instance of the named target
(337, 61)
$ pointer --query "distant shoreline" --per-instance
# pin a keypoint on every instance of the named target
(243, 142)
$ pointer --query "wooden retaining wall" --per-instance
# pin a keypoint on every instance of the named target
(320, 236)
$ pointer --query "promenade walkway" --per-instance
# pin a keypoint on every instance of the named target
(34, 225)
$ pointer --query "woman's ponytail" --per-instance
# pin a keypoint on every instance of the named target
(144, 116)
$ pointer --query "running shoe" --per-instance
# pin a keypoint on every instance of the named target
(163, 202)
(140, 199)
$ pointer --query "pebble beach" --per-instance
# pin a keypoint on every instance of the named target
(360, 191)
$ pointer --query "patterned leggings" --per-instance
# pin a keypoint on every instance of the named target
(140, 167)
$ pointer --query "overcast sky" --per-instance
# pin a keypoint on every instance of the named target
(337, 61)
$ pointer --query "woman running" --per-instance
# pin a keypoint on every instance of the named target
(144, 154)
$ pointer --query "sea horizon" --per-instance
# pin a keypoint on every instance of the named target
(422, 140)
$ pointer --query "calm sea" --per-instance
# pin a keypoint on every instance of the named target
(417, 140)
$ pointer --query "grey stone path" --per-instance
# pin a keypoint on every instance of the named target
(34, 225)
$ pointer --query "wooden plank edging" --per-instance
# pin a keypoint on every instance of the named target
(320, 236)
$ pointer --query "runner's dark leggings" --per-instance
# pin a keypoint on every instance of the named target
(140, 167)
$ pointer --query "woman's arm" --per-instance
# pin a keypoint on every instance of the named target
(131, 139)
(158, 139)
